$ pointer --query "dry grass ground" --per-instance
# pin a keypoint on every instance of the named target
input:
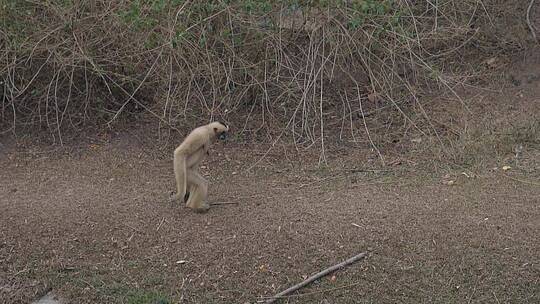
(95, 227)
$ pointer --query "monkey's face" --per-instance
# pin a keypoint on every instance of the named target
(221, 130)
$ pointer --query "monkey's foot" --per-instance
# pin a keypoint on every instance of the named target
(175, 197)
(203, 208)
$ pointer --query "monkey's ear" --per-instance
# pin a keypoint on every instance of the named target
(223, 124)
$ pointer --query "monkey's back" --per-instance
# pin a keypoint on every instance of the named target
(195, 140)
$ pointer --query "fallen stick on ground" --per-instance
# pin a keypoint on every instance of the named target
(223, 203)
(520, 180)
(139, 231)
(531, 27)
(316, 276)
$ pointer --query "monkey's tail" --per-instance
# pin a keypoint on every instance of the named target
(180, 173)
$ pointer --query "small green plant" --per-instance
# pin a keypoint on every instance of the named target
(257, 6)
(146, 297)
(64, 3)
(158, 5)
(363, 10)
(140, 13)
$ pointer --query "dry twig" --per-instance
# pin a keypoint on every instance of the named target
(531, 26)
(317, 276)
(223, 203)
(520, 180)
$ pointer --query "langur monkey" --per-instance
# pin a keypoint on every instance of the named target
(191, 186)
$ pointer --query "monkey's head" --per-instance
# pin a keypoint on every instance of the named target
(220, 130)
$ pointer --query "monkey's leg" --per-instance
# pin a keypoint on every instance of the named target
(198, 192)
(179, 164)
(174, 197)
(186, 197)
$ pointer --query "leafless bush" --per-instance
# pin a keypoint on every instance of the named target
(300, 67)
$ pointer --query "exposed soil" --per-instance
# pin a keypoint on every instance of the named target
(97, 229)
(95, 226)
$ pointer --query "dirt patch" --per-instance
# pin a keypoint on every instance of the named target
(95, 227)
